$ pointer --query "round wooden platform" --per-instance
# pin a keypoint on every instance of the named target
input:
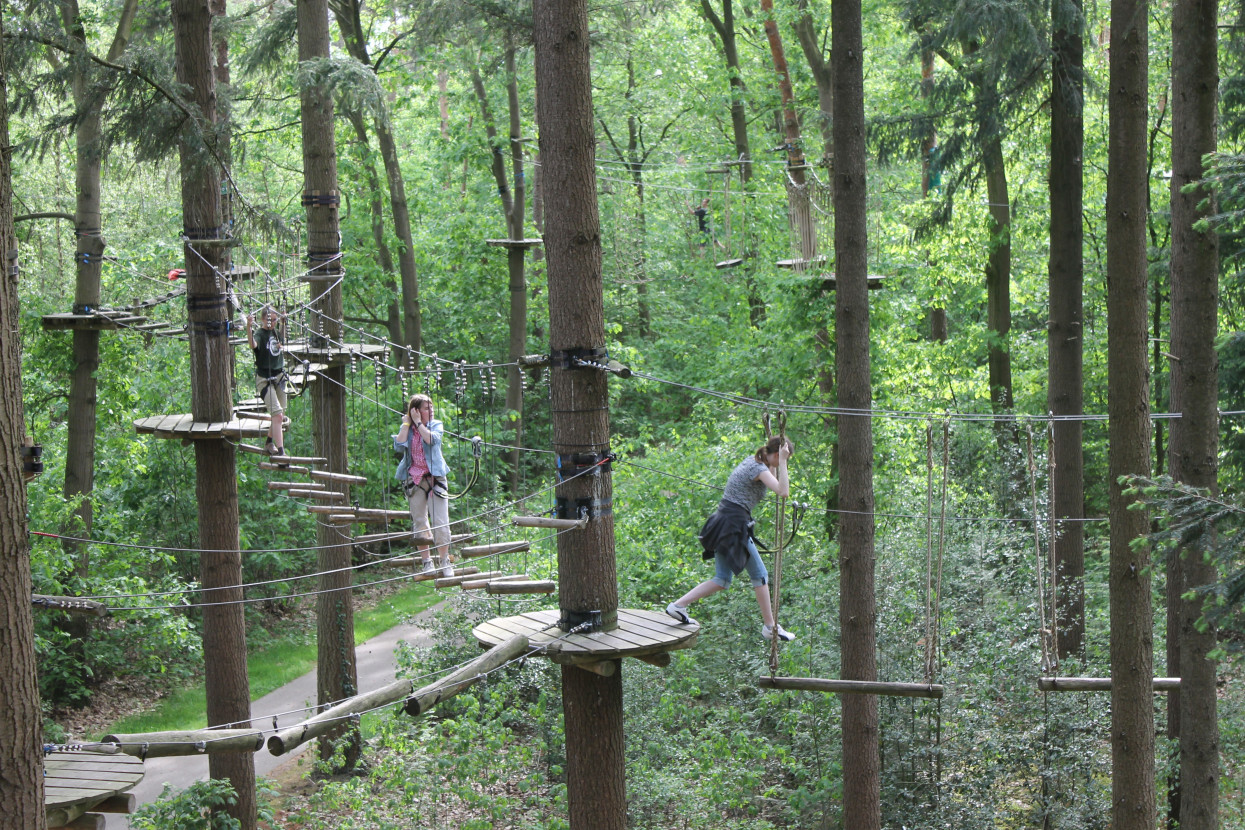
(75, 782)
(185, 426)
(646, 635)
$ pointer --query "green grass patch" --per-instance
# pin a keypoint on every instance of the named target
(280, 660)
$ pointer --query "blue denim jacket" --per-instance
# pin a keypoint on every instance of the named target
(432, 451)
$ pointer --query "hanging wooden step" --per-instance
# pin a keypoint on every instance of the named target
(74, 605)
(342, 354)
(283, 468)
(459, 538)
(325, 475)
(319, 495)
(186, 427)
(801, 264)
(496, 549)
(399, 536)
(373, 516)
(514, 243)
(450, 581)
(521, 586)
(480, 580)
(854, 687)
(729, 263)
(1098, 684)
(295, 485)
(297, 459)
(549, 522)
(251, 448)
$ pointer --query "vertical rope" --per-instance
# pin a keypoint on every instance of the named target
(1054, 579)
(929, 552)
(780, 531)
(1043, 623)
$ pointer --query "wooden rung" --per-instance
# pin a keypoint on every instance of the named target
(459, 538)
(1098, 684)
(544, 586)
(295, 485)
(337, 518)
(74, 605)
(481, 579)
(661, 659)
(548, 521)
(375, 515)
(298, 459)
(322, 495)
(404, 536)
(605, 668)
(320, 508)
(494, 549)
(856, 687)
(325, 475)
(252, 449)
(459, 575)
(284, 468)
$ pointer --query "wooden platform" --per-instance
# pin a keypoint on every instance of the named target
(185, 426)
(76, 782)
(101, 320)
(333, 355)
(646, 635)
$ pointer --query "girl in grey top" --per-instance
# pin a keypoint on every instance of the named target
(727, 534)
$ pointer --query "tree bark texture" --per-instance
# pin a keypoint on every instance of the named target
(1194, 394)
(724, 25)
(857, 601)
(823, 77)
(592, 705)
(336, 673)
(1065, 342)
(21, 719)
(1132, 698)
(226, 682)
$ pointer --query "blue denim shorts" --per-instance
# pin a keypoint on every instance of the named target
(755, 567)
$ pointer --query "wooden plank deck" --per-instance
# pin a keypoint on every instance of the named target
(639, 633)
(77, 781)
(185, 426)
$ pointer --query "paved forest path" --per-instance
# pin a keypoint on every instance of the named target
(375, 663)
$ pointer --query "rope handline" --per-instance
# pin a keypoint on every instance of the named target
(1044, 625)
(781, 510)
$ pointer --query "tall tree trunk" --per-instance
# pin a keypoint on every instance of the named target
(862, 808)
(226, 683)
(635, 162)
(515, 268)
(384, 258)
(591, 704)
(21, 757)
(998, 277)
(349, 15)
(1132, 652)
(798, 197)
(88, 261)
(1065, 340)
(336, 675)
(937, 313)
(823, 78)
(724, 26)
(1194, 394)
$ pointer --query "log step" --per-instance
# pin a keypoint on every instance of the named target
(298, 459)
(450, 581)
(502, 586)
(495, 549)
(480, 580)
(295, 485)
(322, 495)
(548, 521)
(325, 475)
(405, 536)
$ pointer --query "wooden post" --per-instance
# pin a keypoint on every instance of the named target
(853, 687)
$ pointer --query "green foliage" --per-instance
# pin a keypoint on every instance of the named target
(198, 807)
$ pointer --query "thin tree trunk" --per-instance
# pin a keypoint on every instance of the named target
(857, 601)
(1065, 333)
(725, 28)
(823, 77)
(336, 676)
(1133, 794)
(592, 705)
(226, 683)
(1194, 394)
(515, 267)
(384, 259)
(21, 757)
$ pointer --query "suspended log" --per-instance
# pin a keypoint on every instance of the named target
(480, 580)
(371, 515)
(459, 538)
(476, 551)
(436, 574)
(325, 475)
(168, 744)
(467, 676)
(332, 509)
(548, 521)
(285, 468)
(295, 485)
(545, 586)
(298, 459)
(323, 495)
(459, 575)
(854, 687)
(396, 536)
(1098, 684)
(73, 605)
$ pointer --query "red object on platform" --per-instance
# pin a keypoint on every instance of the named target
(177, 272)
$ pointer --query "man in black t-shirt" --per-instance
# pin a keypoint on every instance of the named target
(270, 373)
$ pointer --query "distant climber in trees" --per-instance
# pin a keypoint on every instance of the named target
(270, 374)
(425, 480)
(726, 536)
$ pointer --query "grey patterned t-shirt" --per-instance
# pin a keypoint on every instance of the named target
(742, 487)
